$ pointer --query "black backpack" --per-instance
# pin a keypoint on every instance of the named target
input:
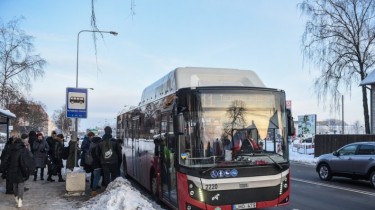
(27, 163)
(88, 155)
(107, 150)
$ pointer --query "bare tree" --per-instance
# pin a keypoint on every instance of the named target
(95, 27)
(18, 63)
(235, 113)
(61, 121)
(339, 38)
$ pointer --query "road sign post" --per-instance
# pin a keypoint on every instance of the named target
(76, 102)
(76, 107)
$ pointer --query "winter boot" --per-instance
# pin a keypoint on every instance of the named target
(93, 193)
(35, 174)
(19, 204)
(50, 179)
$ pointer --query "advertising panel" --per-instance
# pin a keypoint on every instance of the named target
(307, 125)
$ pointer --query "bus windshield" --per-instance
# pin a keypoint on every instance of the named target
(235, 127)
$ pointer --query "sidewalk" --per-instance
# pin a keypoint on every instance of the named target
(43, 195)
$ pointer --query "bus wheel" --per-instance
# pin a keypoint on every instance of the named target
(154, 187)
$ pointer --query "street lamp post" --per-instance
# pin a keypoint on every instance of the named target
(75, 135)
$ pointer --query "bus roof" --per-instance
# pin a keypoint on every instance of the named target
(185, 77)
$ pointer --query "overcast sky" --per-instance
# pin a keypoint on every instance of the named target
(264, 36)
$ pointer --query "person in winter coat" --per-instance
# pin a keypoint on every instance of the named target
(40, 151)
(70, 161)
(32, 139)
(50, 139)
(109, 152)
(5, 154)
(84, 149)
(95, 166)
(15, 174)
(56, 157)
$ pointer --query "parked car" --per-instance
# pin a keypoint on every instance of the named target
(355, 160)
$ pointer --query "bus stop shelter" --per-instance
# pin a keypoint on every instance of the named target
(5, 116)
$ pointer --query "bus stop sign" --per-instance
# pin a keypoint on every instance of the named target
(76, 102)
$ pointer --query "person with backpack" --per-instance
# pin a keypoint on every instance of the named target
(109, 152)
(19, 168)
(84, 149)
(95, 164)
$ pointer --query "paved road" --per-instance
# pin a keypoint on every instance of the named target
(310, 193)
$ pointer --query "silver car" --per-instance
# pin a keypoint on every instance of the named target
(355, 160)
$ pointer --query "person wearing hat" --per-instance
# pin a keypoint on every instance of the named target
(109, 152)
(40, 150)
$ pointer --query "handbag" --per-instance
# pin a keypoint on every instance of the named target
(65, 153)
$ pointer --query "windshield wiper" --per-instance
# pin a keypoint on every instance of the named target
(274, 161)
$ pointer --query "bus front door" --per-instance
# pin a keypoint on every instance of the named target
(168, 167)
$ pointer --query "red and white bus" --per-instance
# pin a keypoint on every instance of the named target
(209, 138)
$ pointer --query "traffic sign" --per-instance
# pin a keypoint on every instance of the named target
(288, 104)
(76, 102)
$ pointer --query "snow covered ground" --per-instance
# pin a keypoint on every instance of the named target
(121, 195)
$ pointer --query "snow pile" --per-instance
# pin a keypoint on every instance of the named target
(301, 158)
(119, 195)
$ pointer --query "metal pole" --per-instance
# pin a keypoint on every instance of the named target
(342, 114)
(75, 134)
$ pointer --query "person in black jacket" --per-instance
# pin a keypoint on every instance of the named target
(5, 154)
(14, 169)
(96, 166)
(32, 139)
(40, 150)
(109, 152)
(56, 157)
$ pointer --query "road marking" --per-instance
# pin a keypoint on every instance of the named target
(333, 186)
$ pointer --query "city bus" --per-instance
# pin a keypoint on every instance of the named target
(209, 138)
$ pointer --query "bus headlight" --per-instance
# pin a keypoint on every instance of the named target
(284, 185)
(195, 192)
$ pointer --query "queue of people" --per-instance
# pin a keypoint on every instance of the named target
(99, 156)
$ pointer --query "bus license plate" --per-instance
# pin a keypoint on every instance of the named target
(245, 206)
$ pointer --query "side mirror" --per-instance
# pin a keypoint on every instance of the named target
(335, 153)
(290, 122)
(179, 124)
